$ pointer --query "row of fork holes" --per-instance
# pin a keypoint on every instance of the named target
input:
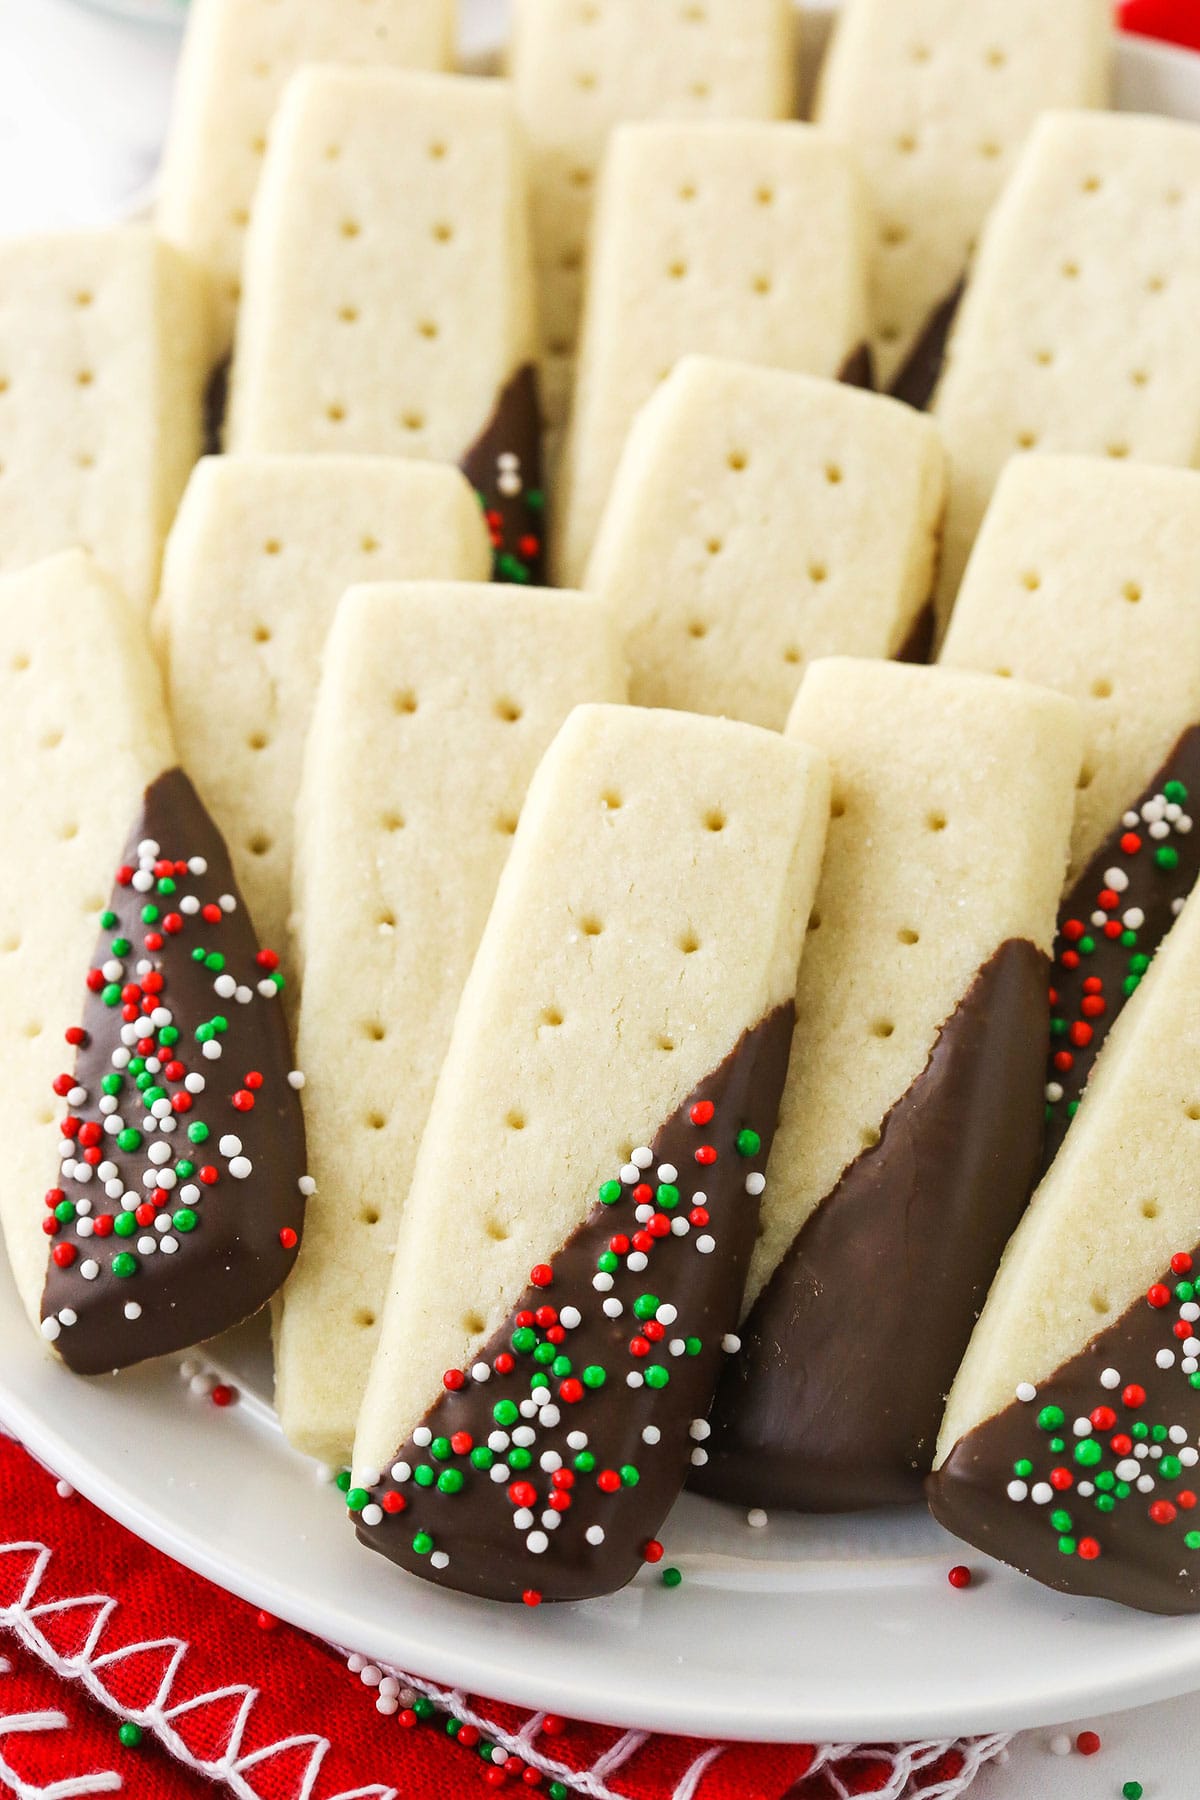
(1130, 590)
(273, 546)
(935, 820)
(509, 711)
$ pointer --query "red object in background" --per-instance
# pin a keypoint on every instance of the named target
(1174, 21)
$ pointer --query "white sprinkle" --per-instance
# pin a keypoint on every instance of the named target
(537, 1541)
(643, 1214)
(147, 1246)
(602, 1282)
(212, 1050)
(508, 459)
(1054, 1091)
(354, 1663)
(161, 1109)
(594, 1534)
(1154, 809)
(1141, 1451)
(370, 1676)
(1129, 820)
(142, 881)
(132, 1310)
(307, 1185)
(1110, 1378)
(522, 1518)
(706, 1244)
(422, 1436)
(89, 1269)
(699, 1429)
(198, 865)
(699, 1457)
(84, 1227)
(509, 483)
(550, 1460)
(1145, 1484)
(189, 1194)
(108, 1103)
(667, 1314)
(225, 987)
(189, 904)
(677, 1346)
(120, 1059)
(756, 1518)
(634, 1379)
(1116, 879)
(731, 1343)
(114, 1188)
(240, 1167)
(68, 1315)
(1190, 1310)
(1159, 829)
(699, 1199)
(637, 1260)
(1165, 1359)
(755, 1183)
(387, 1704)
(642, 1158)
(524, 1435)
(499, 1472)
(1041, 1493)
(1156, 1451)
(480, 1371)
(1135, 918)
(1189, 1457)
(550, 1519)
(159, 1153)
(161, 1016)
(438, 1559)
(83, 1171)
(1018, 1490)
(667, 1172)
(1060, 1744)
(650, 1434)
(613, 1308)
(1085, 1489)
(168, 1245)
(227, 903)
(371, 1515)
(1127, 1469)
(190, 1366)
(498, 1440)
(529, 1408)
(630, 1174)
(1082, 1427)
(1177, 1434)
(51, 1328)
(577, 1440)
(549, 1416)
(64, 1490)
(1191, 1346)
(202, 1385)
(230, 1145)
(1183, 825)
(77, 1096)
(148, 850)
(680, 1226)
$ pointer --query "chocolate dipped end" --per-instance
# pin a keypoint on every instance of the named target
(922, 368)
(835, 1399)
(1112, 1511)
(504, 466)
(1110, 924)
(858, 370)
(150, 1252)
(627, 1359)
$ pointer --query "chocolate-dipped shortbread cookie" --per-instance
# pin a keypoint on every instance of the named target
(1070, 1442)
(911, 1121)
(599, 1134)
(1084, 578)
(388, 278)
(148, 1098)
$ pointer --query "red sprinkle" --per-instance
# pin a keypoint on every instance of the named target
(1162, 1512)
(701, 1112)
(1159, 1294)
(1089, 1549)
(462, 1443)
(652, 1551)
(1121, 1444)
(209, 1176)
(267, 959)
(288, 1238)
(1072, 930)
(223, 1396)
(1080, 1034)
(545, 1316)
(608, 1481)
(1181, 1262)
(571, 1390)
(266, 1621)
(102, 1225)
(643, 1193)
(1087, 1743)
(50, 1225)
(706, 1154)
(554, 1725)
(393, 1502)
(1133, 1396)
(63, 1255)
(541, 1275)
(698, 1215)
(1131, 843)
(453, 1379)
(1103, 1418)
(1186, 1499)
(253, 1079)
(76, 1035)
(504, 1363)
(531, 1597)
(244, 1100)
(959, 1576)
(522, 1493)
(1061, 1479)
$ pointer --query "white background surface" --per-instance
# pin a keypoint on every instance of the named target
(82, 106)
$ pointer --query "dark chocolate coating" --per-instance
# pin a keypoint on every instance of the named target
(488, 1554)
(835, 1398)
(858, 370)
(1156, 892)
(516, 519)
(232, 1261)
(1137, 1561)
(922, 368)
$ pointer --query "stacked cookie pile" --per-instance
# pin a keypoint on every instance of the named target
(707, 805)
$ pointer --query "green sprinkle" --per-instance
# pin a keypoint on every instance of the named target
(610, 1192)
(561, 1367)
(1106, 1479)
(165, 885)
(145, 1080)
(1105, 1503)
(198, 1132)
(168, 1034)
(1158, 1434)
(184, 1168)
(1192, 1540)
(524, 1339)
(1061, 1520)
(214, 961)
(149, 915)
(747, 1142)
(111, 994)
(1185, 1290)
(584, 1463)
(422, 1544)
(155, 1093)
(1132, 1791)
(423, 1475)
(1088, 1452)
(220, 1024)
(1023, 1468)
(124, 1264)
(671, 1578)
(1072, 1108)
(198, 954)
(1171, 1467)
(137, 1064)
(1067, 1546)
(204, 1034)
(453, 1727)
(667, 1195)
(424, 1707)
(506, 1412)
(1175, 792)
(1057, 1444)
(657, 1376)
(357, 1498)
(1087, 945)
(544, 1354)
(342, 1481)
(64, 1212)
(1167, 857)
(629, 1475)
(107, 920)
(607, 1263)
(594, 1376)
(1139, 963)
(121, 946)
(1194, 1380)
(520, 1458)
(1122, 1490)
(646, 1306)
(557, 1791)
(1050, 1418)
(481, 1457)
(693, 1346)
(111, 1084)
(450, 1481)
(1130, 985)
(535, 499)
(129, 1139)
(130, 1734)
(184, 1219)
(1058, 1027)
(440, 1449)
(125, 1224)
(1127, 939)
(1140, 1430)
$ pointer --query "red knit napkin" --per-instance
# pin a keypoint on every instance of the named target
(1175, 21)
(103, 1640)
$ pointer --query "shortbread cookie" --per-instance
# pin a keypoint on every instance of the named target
(911, 1121)
(388, 288)
(578, 70)
(743, 240)
(1084, 578)
(436, 704)
(937, 98)
(104, 353)
(1069, 1447)
(759, 520)
(261, 553)
(1078, 331)
(623, 1034)
(237, 57)
(172, 1186)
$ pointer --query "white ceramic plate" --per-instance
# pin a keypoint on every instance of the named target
(828, 1628)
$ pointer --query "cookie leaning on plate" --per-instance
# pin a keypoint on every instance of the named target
(1084, 578)
(759, 520)
(436, 702)
(579, 70)
(261, 551)
(236, 59)
(146, 1097)
(1068, 1446)
(600, 1128)
(911, 1120)
(732, 239)
(372, 173)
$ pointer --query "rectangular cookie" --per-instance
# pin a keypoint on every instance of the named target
(937, 98)
(1078, 329)
(261, 552)
(758, 520)
(435, 706)
(104, 353)
(1069, 1446)
(151, 1199)
(743, 240)
(578, 70)
(602, 1120)
(910, 1124)
(236, 59)
(1084, 578)
(388, 304)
